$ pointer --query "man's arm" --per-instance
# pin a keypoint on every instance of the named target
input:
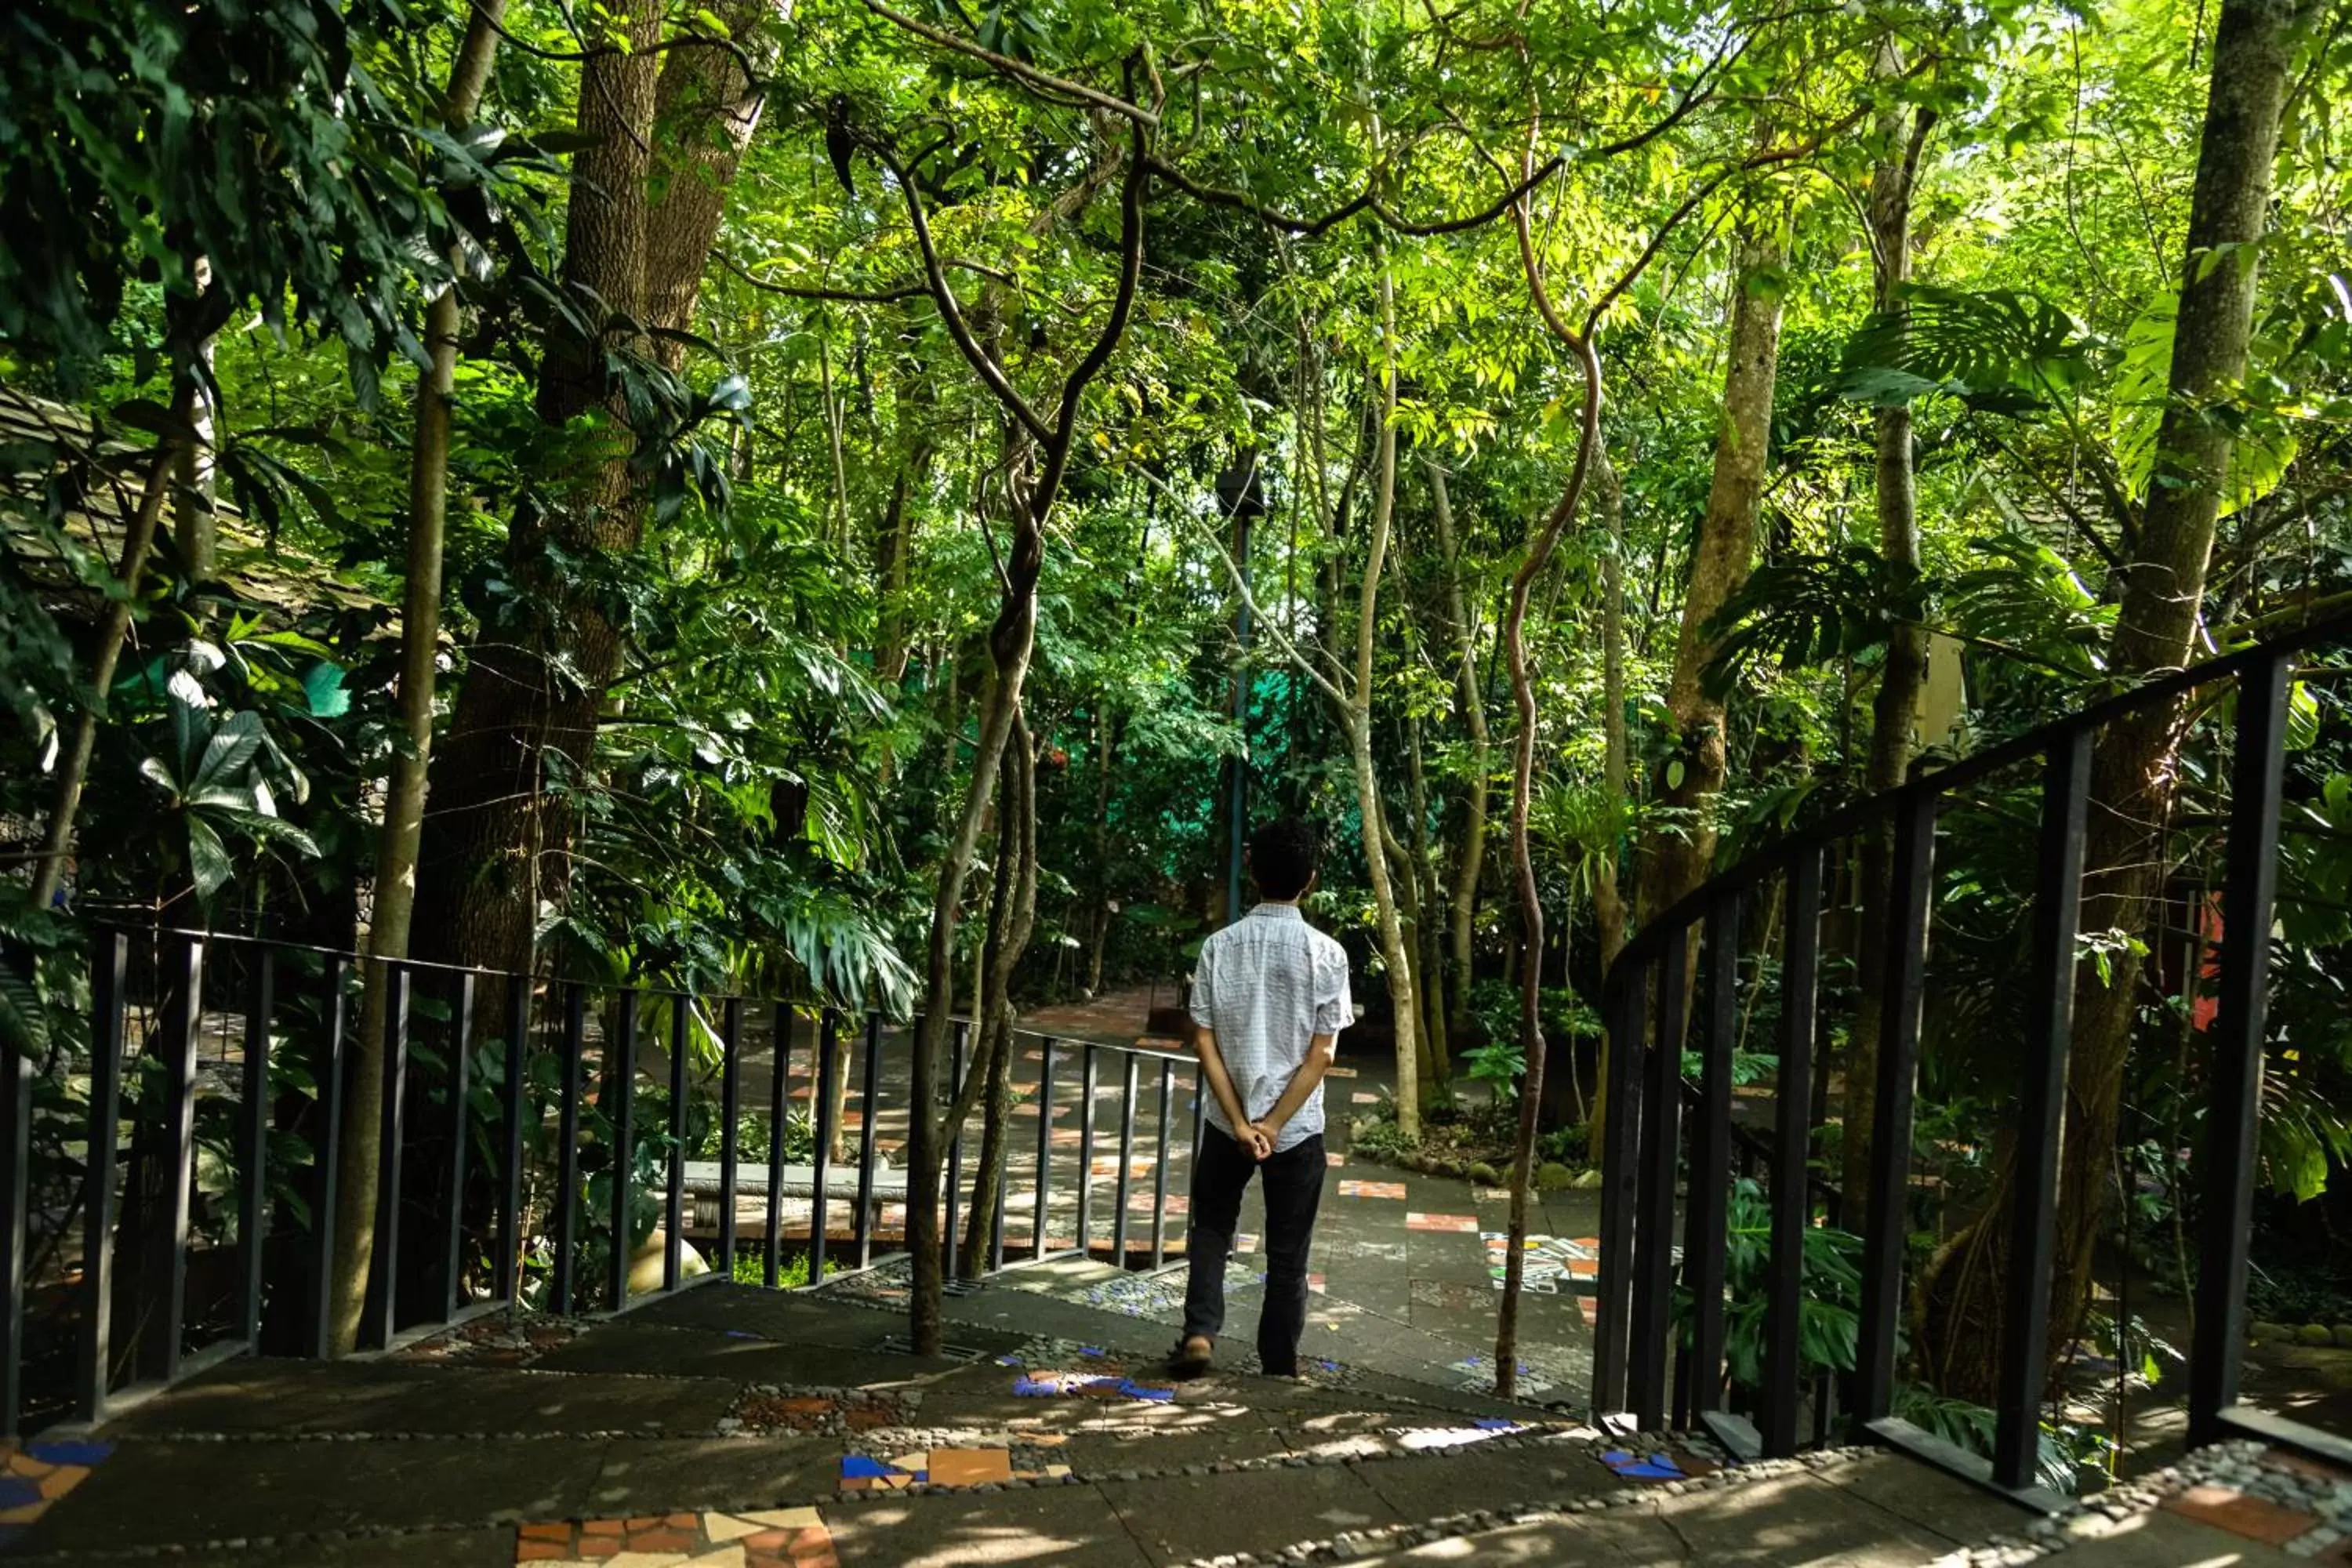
(1321, 1051)
(1220, 1084)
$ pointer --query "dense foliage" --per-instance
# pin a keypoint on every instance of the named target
(796, 342)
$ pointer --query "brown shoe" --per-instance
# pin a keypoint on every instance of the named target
(1191, 1357)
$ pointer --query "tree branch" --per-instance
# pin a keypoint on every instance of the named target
(1044, 81)
(935, 277)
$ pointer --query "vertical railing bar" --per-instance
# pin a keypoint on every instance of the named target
(621, 1083)
(253, 1110)
(959, 1041)
(673, 1198)
(1653, 1232)
(15, 1219)
(779, 1113)
(2249, 889)
(1086, 1071)
(828, 1052)
(867, 1112)
(1045, 1144)
(1791, 1196)
(1160, 1167)
(461, 1127)
(2049, 1031)
(108, 968)
(167, 1256)
(1887, 1220)
(328, 1070)
(1614, 1288)
(1124, 1182)
(730, 1095)
(384, 1276)
(509, 1281)
(1706, 1225)
(562, 1289)
(168, 1249)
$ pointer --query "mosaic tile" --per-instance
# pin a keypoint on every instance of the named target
(1372, 1190)
(1364, 1097)
(780, 1538)
(1551, 1265)
(1334, 1160)
(1089, 1385)
(2227, 1508)
(969, 1467)
(1137, 1169)
(1491, 1195)
(1456, 1224)
(32, 1479)
(1337, 1072)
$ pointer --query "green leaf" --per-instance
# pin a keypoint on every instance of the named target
(322, 687)
(208, 863)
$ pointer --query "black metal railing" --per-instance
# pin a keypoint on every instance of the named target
(510, 1170)
(1646, 1370)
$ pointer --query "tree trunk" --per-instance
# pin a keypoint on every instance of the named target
(138, 544)
(1429, 940)
(525, 716)
(2134, 773)
(1394, 953)
(1470, 861)
(1892, 740)
(1608, 899)
(397, 836)
(1673, 863)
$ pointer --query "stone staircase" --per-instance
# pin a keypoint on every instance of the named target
(755, 1429)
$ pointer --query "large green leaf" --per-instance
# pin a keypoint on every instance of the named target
(2001, 349)
(2259, 456)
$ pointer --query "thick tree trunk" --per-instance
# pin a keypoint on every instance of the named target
(2134, 768)
(525, 716)
(1470, 858)
(1905, 673)
(1676, 859)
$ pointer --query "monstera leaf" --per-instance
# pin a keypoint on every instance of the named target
(2003, 350)
(2259, 456)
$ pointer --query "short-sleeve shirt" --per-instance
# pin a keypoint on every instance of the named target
(1267, 984)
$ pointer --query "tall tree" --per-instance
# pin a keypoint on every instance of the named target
(2135, 773)
(1902, 676)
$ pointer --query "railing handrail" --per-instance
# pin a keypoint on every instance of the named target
(1642, 1158)
(716, 998)
(1855, 815)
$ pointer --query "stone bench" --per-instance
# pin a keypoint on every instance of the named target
(702, 1185)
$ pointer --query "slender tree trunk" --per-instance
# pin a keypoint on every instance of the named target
(1608, 899)
(1905, 673)
(1394, 953)
(138, 544)
(2134, 767)
(1429, 938)
(1470, 862)
(195, 527)
(391, 917)
(1523, 858)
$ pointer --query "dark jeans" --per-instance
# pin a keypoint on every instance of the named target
(1294, 1190)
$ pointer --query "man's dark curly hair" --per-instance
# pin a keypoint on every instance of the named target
(1283, 855)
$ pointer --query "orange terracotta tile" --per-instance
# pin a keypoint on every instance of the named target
(63, 1480)
(682, 1520)
(969, 1467)
(2256, 1519)
(2303, 1465)
(600, 1546)
(559, 1531)
(601, 1527)
(662, 1541)
(540, 1552)
(770, 1541)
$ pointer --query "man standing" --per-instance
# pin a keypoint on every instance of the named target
(1269, 999)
